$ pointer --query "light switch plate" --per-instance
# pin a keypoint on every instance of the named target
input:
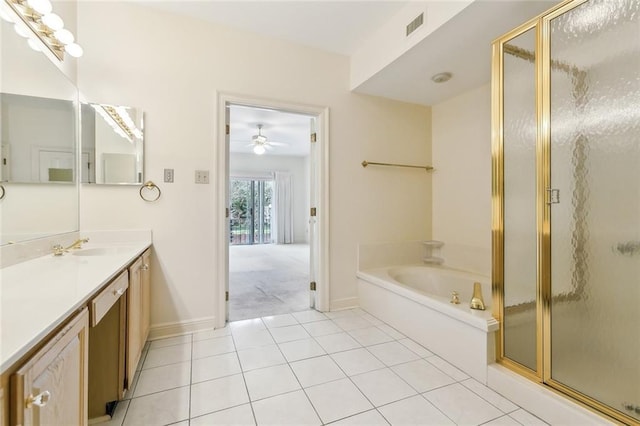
(202, 176)
(168, 175)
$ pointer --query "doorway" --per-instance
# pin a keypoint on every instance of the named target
(274, 256)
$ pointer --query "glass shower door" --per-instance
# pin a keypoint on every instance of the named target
(594, 201)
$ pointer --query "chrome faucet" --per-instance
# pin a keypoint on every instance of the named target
(59, 250)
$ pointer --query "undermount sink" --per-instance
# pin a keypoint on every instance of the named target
(100, 251)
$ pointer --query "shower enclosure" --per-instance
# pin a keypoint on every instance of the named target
(566, 202)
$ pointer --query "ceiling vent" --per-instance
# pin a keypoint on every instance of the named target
(415, 24)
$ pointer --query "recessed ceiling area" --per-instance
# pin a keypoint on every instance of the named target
(287, 133)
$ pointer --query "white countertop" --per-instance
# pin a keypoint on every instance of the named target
(38, 295)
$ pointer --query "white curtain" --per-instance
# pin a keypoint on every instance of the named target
(282, 221)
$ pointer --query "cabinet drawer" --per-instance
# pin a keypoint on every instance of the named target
(101, 304)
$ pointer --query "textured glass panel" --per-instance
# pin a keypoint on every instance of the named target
(595, 163)
(519, 200)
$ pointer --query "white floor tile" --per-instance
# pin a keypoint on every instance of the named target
(214, 367)
(289, 333)
(301, 349)
(391, 331)
(158, 379)
(503, 421)
(449, 369)
(357, 361)
(526, 418)
(462, 406)
(170, 341)
(337, 342)
(338, 399)
(414, 411)
(288, 409)
(422, 376)
(340, 314)
(351, 322)
(415, 347)
(270, 381)
(237, 416)
(314, 371)
(368, 418)
(246, 326)
(159, 408)
(493, 397)
(210, 334)
(383, 386)
(210, 347)
(182, 423)
(279, 320)
(309, 316)
(218, 394)
(167, 355)
(263, 356)
(358, 311)
(393, 353)
(253, 339)
(373, 320)
(321, 328)
(370, 336)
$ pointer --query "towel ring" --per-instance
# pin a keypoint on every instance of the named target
(3, 192)
(150, 186)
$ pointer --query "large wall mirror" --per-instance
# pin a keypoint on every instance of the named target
(39, 143)
(112, 144)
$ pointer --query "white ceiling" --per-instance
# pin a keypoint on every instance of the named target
(338, 26)
(287, 132)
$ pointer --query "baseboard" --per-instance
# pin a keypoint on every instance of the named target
(161, 331)
(346, 303)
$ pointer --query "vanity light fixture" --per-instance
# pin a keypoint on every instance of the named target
(442, 77)
(47, 26)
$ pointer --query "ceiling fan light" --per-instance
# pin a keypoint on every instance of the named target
(259, 149)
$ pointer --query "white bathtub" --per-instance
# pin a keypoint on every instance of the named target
(415, 299)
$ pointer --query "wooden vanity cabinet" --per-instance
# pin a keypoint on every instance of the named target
(138, 310)
(50, 388)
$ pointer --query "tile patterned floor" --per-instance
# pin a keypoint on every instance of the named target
(307, 368)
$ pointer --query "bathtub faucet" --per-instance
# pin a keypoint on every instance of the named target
(476, 300)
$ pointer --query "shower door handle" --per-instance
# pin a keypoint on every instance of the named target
(554, 196)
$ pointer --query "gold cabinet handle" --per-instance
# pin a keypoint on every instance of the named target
(145, 267)
(118, 292)
(40, 400)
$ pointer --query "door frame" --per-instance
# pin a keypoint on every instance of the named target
(221, 188)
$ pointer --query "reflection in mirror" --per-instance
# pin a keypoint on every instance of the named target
(112, 144)
(38, 132)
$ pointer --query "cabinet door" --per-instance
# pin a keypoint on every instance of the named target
(134, 319)
(146, 294)
(51, 388)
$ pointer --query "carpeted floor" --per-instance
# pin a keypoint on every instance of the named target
(268, 279)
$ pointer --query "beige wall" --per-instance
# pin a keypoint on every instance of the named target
(173, 67)
(462, 180)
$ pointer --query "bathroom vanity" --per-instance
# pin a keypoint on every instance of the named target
(73, 331)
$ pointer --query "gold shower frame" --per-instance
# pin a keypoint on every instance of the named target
(543, 65)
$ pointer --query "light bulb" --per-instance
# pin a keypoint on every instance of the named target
(43, 7)
(53, 21)
(34, 45)
(64, 36)
(259, 149)
(21, 30)
(74, 50)
(5, 16)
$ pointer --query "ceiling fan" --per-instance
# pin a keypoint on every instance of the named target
(260, 143)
